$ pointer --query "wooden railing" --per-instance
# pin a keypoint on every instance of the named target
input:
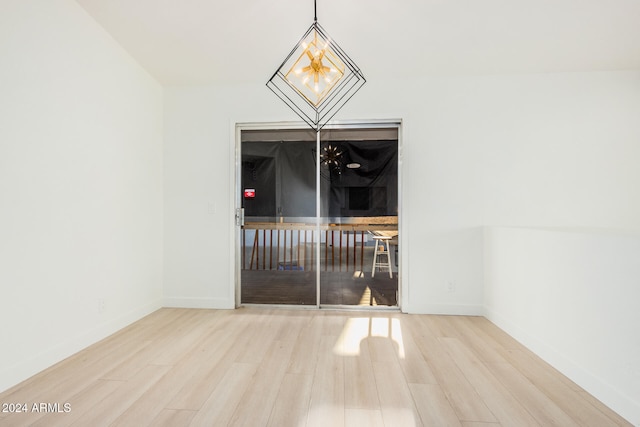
(291, 246)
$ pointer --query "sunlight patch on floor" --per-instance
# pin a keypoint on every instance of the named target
(360, 328)
(328, 414)
(367, 298)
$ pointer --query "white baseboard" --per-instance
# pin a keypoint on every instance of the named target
(618, 402)
(448, 309)
(213, 303)
(17, 373)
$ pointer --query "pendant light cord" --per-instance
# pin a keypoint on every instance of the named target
(315, 11)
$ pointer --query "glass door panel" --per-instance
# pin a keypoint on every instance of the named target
(359, 221)
(278, 195)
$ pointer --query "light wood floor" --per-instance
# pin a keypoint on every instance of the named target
(264, 367)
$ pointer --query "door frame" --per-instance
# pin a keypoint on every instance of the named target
(236, 203)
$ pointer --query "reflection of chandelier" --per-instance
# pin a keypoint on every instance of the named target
(317, 78)
(331, 157)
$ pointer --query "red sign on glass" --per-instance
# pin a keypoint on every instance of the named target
(249, 193)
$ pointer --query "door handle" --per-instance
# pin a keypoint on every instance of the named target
(240, 217)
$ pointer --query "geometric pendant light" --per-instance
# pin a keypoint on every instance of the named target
(317, 78)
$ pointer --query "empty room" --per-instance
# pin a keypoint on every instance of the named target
(337, 213)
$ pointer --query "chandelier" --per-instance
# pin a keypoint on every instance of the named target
(317, 78)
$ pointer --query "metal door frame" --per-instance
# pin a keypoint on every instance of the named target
(236, 204)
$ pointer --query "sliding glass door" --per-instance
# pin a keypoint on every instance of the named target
(345, 256)
(359, 218)
(278, 196)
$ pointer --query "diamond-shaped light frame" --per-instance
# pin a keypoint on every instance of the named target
(317, 78)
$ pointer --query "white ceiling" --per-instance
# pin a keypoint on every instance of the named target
(208, 41)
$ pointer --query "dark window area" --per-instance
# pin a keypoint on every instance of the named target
(359, 198)
(358, 178)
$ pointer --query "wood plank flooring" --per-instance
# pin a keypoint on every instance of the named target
(264, 367)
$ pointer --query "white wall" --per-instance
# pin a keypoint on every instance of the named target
(562, 150)
(560, 159)
(199, 178)
(548, 149)
(572, 297)
(80, 186)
